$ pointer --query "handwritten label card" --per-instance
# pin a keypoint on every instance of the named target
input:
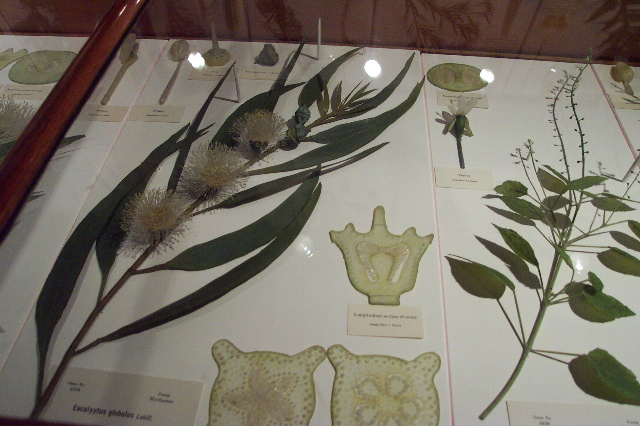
(114, 114)
(554, 414)
(256, 72)
(107, 398)
(157, 113)
(19, 92)
(445, 98)
(385, 321)
(208, 73)
(448, 177)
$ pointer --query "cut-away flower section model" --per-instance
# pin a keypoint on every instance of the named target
(136, 221)
(568, 211)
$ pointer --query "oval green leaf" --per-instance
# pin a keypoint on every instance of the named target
(635, 227)
(512, 188)
(523, 207)
(555, 202)
(601, 375)
(477, 279)
(595, 281)
(519, 245)
(585, 182)
(626, 240)
(610, 204)
(593, 305)
(620, 261)
(551, 182)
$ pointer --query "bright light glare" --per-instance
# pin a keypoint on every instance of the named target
(487, 75)
(372, 68)
(578, 266)
(305, 246)
(553, 70)
(196, 60)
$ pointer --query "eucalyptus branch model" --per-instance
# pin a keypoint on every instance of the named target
(138, 222)
(557, 204)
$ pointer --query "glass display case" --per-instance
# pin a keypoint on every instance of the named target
(348, 212)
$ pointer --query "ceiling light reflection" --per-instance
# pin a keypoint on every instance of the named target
(196, 60)
(305, 245)
(372, 68)
(487, 75)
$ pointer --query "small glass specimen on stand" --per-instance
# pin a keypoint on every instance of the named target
(383, 390)
(216, 56)
(380, 264)
(261, 388)
(41, 67)
(623, 73)
(128, 55)
(178, 52)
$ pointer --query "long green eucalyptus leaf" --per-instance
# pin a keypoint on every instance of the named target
(61, 281)
(316, 85)
(277, 185)
(190, 137)
(346, 138)
(382, 95)
(278, 86)
(245, 240)
(221, 285)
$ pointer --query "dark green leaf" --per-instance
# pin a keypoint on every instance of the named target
(69, 140)
(601, 375)
(626, 240)
(373, 102)
(585, 182)
(550, 182)
(593, 305)
(610, 204)
(519, 245)
(634, 227)
(316, 86)
(555, 202)
(620, 261)
(523, 207)
(512, 188)
(223, 284)
(278, 87)
(64, 274)
(243, 241)
(477, 279)
(346, 138)
(595, 281)
(518, 218)
(516, 265)
(556, 173)
(558, 220)
(191, 135)
(336, 97)
(564, 255)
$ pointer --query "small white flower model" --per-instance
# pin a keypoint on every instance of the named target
(457, 122)
(258, 130)
(154, 217)
(212, 173)
(14, 117)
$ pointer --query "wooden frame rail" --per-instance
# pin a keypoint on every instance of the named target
(25, 162)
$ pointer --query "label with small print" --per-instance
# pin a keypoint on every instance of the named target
(257, 72)
(522, 413)
(114, 114)
(446, 98)
(208, 73)
(87, 396)
(623, 101)
(19, 92)
(449, 177)
(157, 113)
(385, 321)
